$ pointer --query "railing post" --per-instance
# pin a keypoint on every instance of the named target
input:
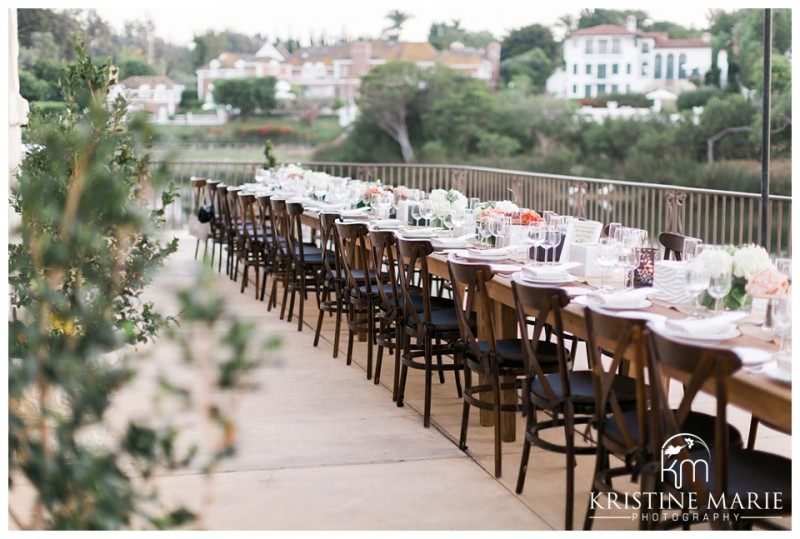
(367, 173)
(579, 199)
(458, 181)
(676, 211)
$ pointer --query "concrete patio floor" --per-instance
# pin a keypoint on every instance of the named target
(322, 448)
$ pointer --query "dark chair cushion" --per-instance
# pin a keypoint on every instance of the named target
(581, 385)
(697, 423)
(441, 320)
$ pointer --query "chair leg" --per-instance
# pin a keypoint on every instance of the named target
(498, 441)
(286, 280)
(378, 363)
(751, 436)
(526, 449)
(462, 439)
(399, 338)
(426, 418)
(196, 248)
(318, 330)
(439, 361)
(264, 283)
(245, 273)
(302, 299)
(338, 328)
(272, 301)
(569, 432)
(602, 458)
(370, 337)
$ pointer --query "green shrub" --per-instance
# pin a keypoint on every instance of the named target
(698, 98)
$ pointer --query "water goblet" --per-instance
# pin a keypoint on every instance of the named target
(427, 210)
(458, 217)
(533, 237)
(697, 280)
(606, 257)
(719, 284)
(782, 322)
(485, 229)
(415, 214)
(689, 249)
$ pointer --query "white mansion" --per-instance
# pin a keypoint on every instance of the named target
(609, 59)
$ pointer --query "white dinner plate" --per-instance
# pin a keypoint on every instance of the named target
(483, 258)
(418, 233)
(751, 356)
(772, 370)
(731, 334)
(588, 300)
(527, 278)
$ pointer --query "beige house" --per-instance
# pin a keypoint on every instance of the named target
(334, 71)
(157, 95)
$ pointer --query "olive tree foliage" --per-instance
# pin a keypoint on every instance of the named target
(388, 94)
(248, 95)
(87, 247)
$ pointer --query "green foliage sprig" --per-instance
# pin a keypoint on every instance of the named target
(87, 247)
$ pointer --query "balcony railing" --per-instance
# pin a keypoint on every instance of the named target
(718, 217)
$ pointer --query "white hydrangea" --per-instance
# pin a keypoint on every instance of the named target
(506, 206)
(445, 200)
(716, 261)
(749, 260)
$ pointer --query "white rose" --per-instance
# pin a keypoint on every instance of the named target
(506, 206)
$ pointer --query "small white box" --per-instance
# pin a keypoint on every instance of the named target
(586, 255)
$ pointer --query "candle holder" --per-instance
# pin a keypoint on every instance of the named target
(643, 274)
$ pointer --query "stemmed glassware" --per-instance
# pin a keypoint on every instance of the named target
(782, 321)
(502, 227)
(534, 237)
(427, 210)
(485, 229)
(719, 284)
(689, 249)
(415, 214)
(697, 280)
(320, 189)
(551, 238)
(606, 257)
(458, 217)
(628, 257)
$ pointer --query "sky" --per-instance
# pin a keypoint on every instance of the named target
(179, 21)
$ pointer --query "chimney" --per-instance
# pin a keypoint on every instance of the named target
(360, 54)
(630, 23)
(493, 55)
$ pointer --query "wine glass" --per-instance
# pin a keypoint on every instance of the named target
(551, 237)
(446, 218)
(606, 257)
(320, 189)
(458, 217)
(782, 322)
(628, 258)
(427, 210)
(697, 280)
(534, 237)
(502, 228)
(485, 229)
(719, 284)
(689, 249)
(784, 267)
(385, 203)
(473, 203)
(415, 214)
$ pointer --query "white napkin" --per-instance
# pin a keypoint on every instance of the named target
(504, 268)
(354, 213)
(620, 299)
(547, 272)
(452, 242)
(716, 325)
(511, 249)
(388, 224)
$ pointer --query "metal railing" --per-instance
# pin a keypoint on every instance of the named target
(720, 217)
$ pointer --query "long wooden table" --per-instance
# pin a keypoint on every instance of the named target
(764, 397)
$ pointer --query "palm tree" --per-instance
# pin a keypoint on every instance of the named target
(397, 18)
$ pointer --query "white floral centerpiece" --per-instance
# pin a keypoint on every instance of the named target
(446, 200)
(743, 262)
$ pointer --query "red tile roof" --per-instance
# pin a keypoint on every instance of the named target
(662, 38)
(603, 30)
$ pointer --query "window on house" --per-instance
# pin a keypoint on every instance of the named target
(574, 69)
(602, 46)
(615, 46)
(670, 67)
(601, 89)
(628, 69)
(682, 66)
(645, 46)
(589, 44)
(601, 71)
(645, 69)
(615, 69)
(587, 90)
(657, 67)
(614, 89)
(628, 88)
(574, 89)
(588, 69)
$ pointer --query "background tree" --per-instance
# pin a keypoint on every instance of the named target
(211, 44)
(533, 65)
(133, 66)
(387, 96)
(521, 40)
(617, 17)
(247, 95)
(441, 35)
(398, 19)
